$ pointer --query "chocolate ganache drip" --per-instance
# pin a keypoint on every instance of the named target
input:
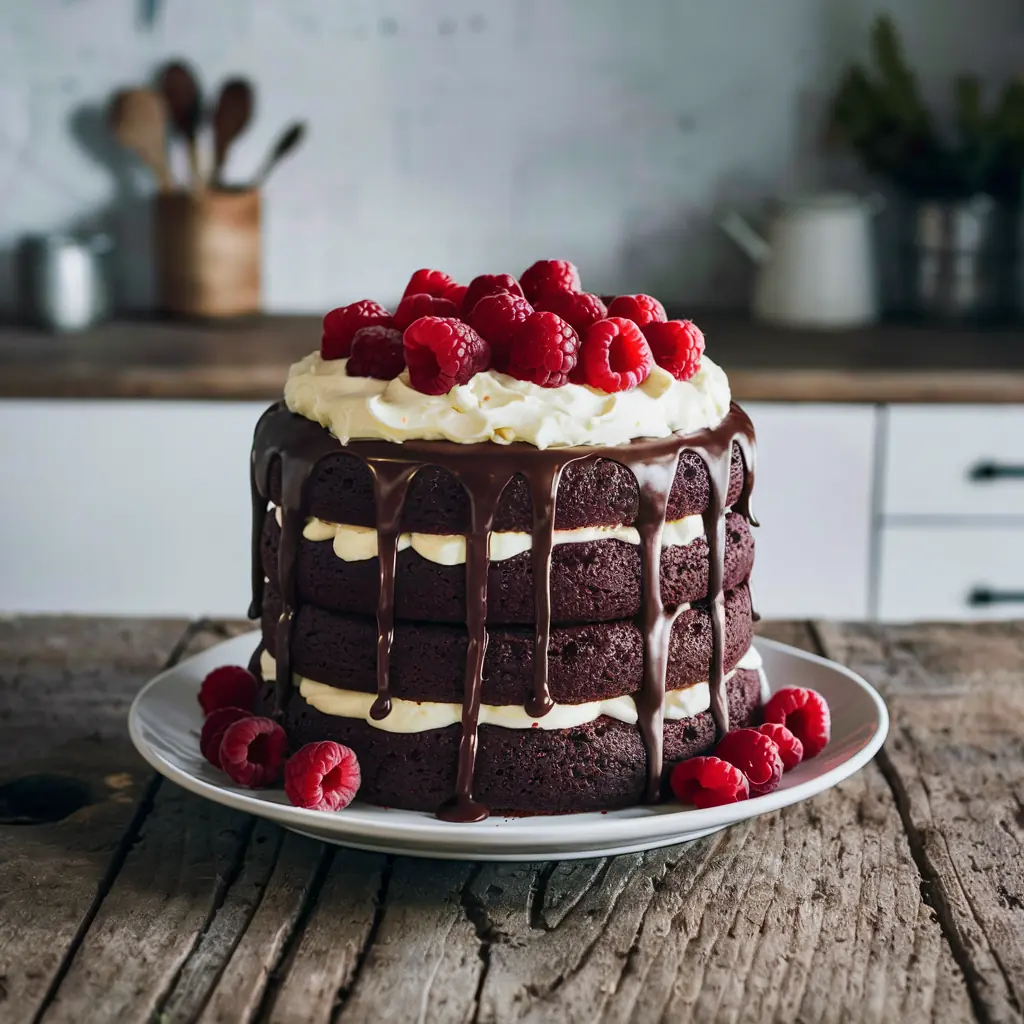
(298, 445)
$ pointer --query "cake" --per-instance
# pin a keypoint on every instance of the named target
(505, 558)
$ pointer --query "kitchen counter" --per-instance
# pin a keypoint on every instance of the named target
(152, 359)
(898, 895)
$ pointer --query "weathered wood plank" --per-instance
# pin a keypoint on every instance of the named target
(65, 688)
(241, 988)
(955, 759)
(334, 943)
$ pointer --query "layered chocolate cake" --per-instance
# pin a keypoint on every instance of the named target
(502, 551)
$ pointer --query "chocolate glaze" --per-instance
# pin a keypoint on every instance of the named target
(484, 470)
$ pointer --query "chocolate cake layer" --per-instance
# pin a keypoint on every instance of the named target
(592, 581)
(597, 766)
(596, 492)
(586, 662)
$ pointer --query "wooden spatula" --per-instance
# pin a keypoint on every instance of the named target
(184, 106)
(230, 118)
(138, 118)
(286, 142)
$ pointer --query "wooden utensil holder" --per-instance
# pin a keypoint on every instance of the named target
(208, 252)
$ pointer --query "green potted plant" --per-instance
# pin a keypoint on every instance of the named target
(964, 185)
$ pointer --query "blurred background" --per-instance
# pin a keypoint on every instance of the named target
(831, 188)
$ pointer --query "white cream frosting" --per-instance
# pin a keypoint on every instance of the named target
(496, 407)
(410, 716)
(358, 543)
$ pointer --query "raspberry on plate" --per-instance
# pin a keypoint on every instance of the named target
(791, 750)
(376, 352)
(214, 727)
(578, 309)
(614, 356)
(677, 345)
(496, 318)
(322, 776)
(253, 751)
(756, 755)
(442, 352)
(229, 686)
(708, 782)
(641, 309)
(488, 284)
(544, 351)
(547, 276)
(805, 714)
(412, 307)
(341, 324)
(429, 282)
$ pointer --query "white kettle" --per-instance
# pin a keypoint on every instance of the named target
(816, 268)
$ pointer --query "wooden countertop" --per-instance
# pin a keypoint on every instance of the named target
(898, 895)
(152, 359)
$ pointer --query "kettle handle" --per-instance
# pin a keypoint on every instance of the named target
(744, 236)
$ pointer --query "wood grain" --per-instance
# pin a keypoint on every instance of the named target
(249, 360)
(65, 687)
(955, 759)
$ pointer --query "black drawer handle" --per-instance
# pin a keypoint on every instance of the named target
(996, 471)
(981, 596)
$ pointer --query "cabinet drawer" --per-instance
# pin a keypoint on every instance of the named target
(951, 572)
(954, 460)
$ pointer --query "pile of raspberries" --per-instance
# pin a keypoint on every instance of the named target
(542, 328)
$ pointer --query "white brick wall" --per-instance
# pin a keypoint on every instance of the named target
(466, 133)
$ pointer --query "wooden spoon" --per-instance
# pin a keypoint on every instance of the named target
(181, 91)
(230, 119)
(286, 142)
(138, 119)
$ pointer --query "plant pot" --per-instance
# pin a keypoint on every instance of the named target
(960, 260)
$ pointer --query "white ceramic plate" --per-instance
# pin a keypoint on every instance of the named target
(165, 720)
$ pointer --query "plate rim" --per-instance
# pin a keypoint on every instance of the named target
(563, 836)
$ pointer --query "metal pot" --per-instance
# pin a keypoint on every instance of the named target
(64, 281)
(960, 260)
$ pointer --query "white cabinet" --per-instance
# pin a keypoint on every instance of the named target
(813, 497)
(130, 508)
(142, 507)
(951, 522)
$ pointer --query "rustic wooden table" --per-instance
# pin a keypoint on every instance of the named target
(898, 895)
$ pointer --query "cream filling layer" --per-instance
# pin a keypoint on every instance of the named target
(410, 716)
(358, 543)
(498, 408)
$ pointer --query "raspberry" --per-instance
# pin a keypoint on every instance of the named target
(213, 731)
(229, 686)
(791, 750)
(614, 356)
(341, 324)
(412, 307)
(488, 284)
(376, 352)
(641, 309)
(805, 714)
(756, 755)
(253, 752)
(677, 345)
(708, 782)
(544, 351)
(578, 309)
(442, 352)
(497, 318)
(429, 282)
(546, 276)
(322, 776)
(456, 294)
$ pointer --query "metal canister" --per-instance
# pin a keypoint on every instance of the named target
(64, 281)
